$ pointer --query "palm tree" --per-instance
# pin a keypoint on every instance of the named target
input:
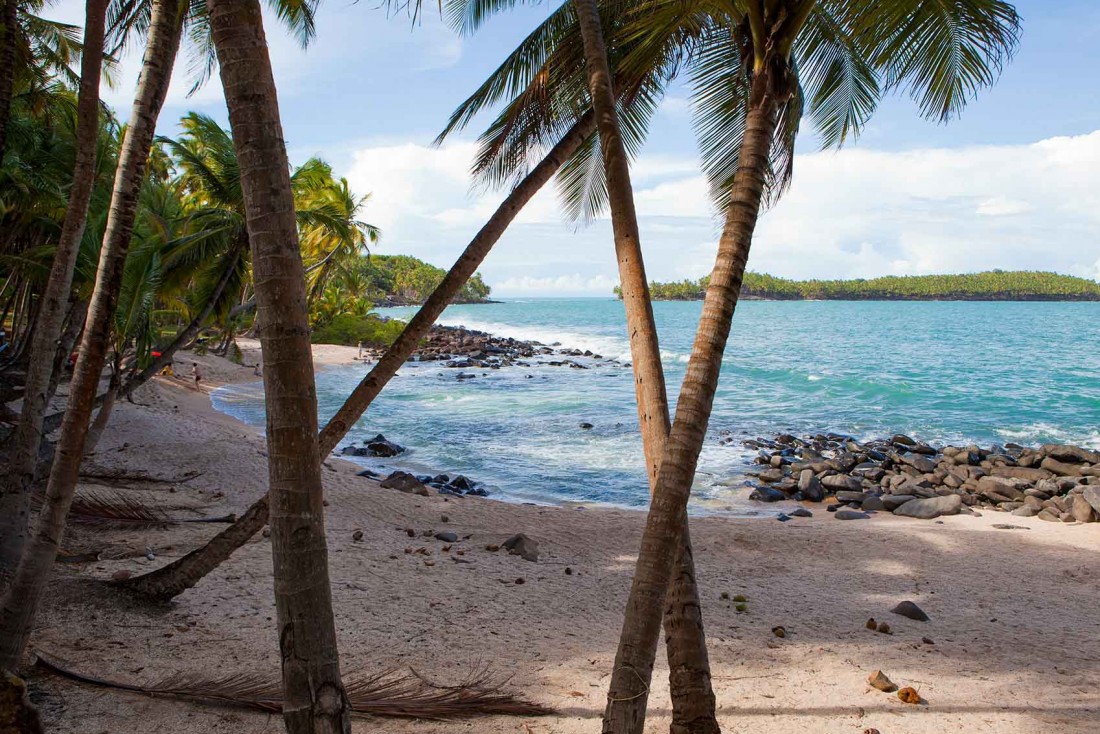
(689, 667)
(314, 699)
(942, 52)
(54, 304)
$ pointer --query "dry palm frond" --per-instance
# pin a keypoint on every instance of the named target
(121, 477)
(389, 693)
(117, 510)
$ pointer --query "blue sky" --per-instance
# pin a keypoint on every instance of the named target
(1012, 184)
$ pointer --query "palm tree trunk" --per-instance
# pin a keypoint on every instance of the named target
(15, 488)
(633, 669)
(74, 327)
(189, 332)
(693, 704)
(9, 32)
(182, 574)
(20, 603)
(103, 417)
(314, 700)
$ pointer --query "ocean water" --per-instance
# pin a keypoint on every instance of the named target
(943, 372)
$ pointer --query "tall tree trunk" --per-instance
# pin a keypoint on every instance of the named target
(16, 486)
(314, 700)
(103, 417)
(189, 332)
(20, 603)
(74, 327)
(633, 669)
(9, 32)
(693, 704)
(184, 573)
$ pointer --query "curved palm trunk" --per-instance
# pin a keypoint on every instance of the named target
(9, 30)
(314, 700)
(633, 668)
(189, 332)
(21, 600)
(15, 490)
(184, 573)
(693, 704)
(74, 327)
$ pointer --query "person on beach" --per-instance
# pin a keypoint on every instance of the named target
(257, 371)
(360, 351)
(196, 374)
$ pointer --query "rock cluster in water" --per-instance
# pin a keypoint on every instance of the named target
(459, 347)
(456, 486)
(1054, 482)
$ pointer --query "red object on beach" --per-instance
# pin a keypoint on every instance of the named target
(155, 354)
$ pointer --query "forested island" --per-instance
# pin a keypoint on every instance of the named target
(402, 280)
(992, 285)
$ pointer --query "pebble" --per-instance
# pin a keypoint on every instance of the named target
(447, 537)
(910, 610)
(357, 535)
(879, 680)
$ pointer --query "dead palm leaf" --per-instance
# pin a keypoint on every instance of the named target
(389, 693)
(113, 509)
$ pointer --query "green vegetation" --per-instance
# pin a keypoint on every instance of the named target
(401, 279)
(349, 330)
(992, 285)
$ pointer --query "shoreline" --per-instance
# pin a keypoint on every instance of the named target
(445, 614)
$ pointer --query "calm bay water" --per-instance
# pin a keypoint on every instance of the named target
(947, 372)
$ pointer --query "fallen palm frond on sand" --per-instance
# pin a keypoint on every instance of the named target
(118, 510)
(389, 693)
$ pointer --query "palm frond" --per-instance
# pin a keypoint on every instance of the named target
(389, 693)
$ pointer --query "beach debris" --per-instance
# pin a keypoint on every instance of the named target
(910, 610)
(405, 482)
(444, 518)
(927, 641)
(568, 571)
(357, 535)
(871, 730)
(779, 631)
(725, 595)
(871, 624)
(741, 607)
(447, 537)
(910, 695)
(879, 680)
(1006, 526)
(884, 628)
(521, 545)
(520, 581)
(387, 693)
(492, 547)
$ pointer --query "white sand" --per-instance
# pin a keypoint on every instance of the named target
(1015, 618)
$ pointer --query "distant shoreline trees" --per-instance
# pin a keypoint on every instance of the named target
(992, 285)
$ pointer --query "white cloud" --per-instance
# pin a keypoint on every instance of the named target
(853, 213)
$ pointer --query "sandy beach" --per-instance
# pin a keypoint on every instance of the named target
(1011, 645)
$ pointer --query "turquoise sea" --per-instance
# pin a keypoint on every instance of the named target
(940, 371)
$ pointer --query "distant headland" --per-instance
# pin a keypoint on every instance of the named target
(992, 285)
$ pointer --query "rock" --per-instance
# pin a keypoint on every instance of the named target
(586, 426)
(894, 501)
(847, 513)
(461, 483)
(846, 495)
(1072, 454)
(842, 482)
(1092, 496)
(1026, 511)
(871, 624)
(921, 463)
(1050, 515)
(783, 517)
(933, 507)
(1082, 509)
(779, 631)
(910, 610)
(447, 537)
(368, 473)
(521, 545)
(404, 482)
(380, 446)
(771, 475)
(357, 535)
(1020, 472)
(767, 494)
(1060, 468)
(902, 440)
(17, 714)
(121, 575)
(884, 628)
(810, 486)
(909, 695)
(871, 503)
(800, 512)
(879, 680)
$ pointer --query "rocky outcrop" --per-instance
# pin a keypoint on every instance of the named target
(910, 478)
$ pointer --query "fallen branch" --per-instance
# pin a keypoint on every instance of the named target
(389, 693)
(117, 510)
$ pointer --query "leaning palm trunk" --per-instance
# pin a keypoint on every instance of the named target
(15, 489)
(19, 604)
(180, 575)
(314, 699)
(189, 332)
(633, 669)
(9, 31)
(693, 704)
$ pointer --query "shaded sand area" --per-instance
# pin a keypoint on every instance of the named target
(1015, 622)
